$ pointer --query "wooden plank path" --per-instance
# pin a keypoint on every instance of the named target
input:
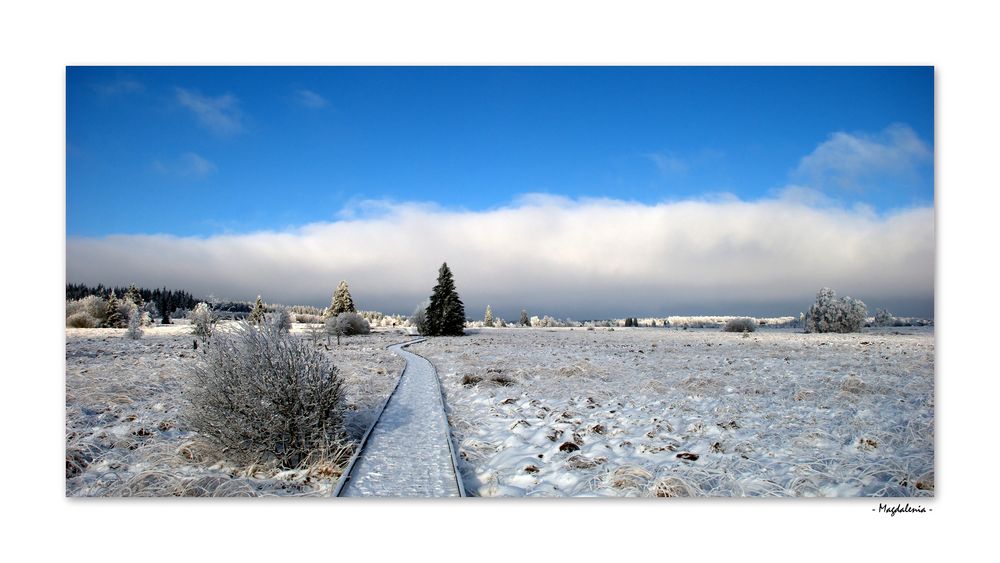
(408, 451)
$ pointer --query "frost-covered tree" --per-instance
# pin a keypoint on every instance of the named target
(353, 323)
(525, 321)
(445, 313)
(134, 322)
(113, 317)
(202, 320)
(257, 313)
(488, 317)
(341, 301)
(281, 320)
(829, 314)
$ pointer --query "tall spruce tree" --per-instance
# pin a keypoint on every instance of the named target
(257, 314)
(525, 321)
(341, 302)
(488, 318)
(445, 313)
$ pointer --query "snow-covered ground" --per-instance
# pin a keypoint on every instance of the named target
(125, 435)
(667, 412)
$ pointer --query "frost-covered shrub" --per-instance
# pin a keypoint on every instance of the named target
(308, 318)
(202, 320)
(740, 324)
(352, 323)
(280, 319)
(81, 319)
(419, 318)
(830, 314)
(95, 307)
(260, 395)
(134, 322)
(884, 318)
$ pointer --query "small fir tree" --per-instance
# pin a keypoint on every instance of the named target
(525, 321)
(257, 313)
(445, 313)
(488, 318)
(341, 302)
(113, 318)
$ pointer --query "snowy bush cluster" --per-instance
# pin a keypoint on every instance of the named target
(97, 312)
(261, 396)
(830, 314)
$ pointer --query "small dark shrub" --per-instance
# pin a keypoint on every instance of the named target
(742, 324)
(81, 319)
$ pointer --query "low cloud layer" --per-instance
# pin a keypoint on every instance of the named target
(578, 258)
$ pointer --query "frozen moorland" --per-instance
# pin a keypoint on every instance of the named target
(666, 412)
(125, 435)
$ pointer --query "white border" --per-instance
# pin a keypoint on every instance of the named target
(39, 39)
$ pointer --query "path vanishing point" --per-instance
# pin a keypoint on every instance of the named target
(408, 451)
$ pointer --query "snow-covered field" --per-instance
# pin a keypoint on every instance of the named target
(125, 435)
(666, 412)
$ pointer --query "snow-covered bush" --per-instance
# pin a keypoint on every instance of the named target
(281, 319)
(81, 319)
(830, 314)
(308, 318)
(260, 395)
(134, 322)
(352, 323)
(740, 324)
(202, 320)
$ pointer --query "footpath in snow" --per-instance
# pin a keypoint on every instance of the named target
(408, 452)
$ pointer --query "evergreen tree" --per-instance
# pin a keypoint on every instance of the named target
(113, 317)
(525, 321)
(488, 318)
(257, 314)
(445, 313)
(134, 296)
(341, 302)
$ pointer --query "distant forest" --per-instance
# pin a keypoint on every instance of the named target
(165, 299)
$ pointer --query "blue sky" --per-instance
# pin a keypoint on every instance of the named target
(207, 150)
(588, 192)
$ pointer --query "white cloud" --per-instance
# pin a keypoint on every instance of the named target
(668, 163)
(850, 161)
(582, 258)
(220, 115)
(188, 165)
(310, 99)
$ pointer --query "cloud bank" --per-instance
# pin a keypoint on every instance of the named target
(587, 258)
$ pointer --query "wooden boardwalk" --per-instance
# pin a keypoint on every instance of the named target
(408, 451)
